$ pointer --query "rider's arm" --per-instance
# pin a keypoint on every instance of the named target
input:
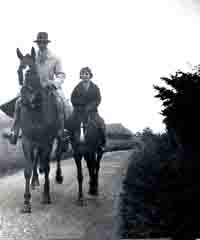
(59, 74)
(96, 100)
(76, 98)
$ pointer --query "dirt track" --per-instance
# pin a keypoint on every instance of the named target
(63, 219)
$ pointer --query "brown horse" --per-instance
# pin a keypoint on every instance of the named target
(86, 143)
(40, 121)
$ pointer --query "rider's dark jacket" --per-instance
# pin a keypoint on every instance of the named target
(86, 99)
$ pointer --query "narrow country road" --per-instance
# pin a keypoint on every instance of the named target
(63, 219)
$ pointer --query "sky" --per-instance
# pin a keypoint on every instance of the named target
(128, 44)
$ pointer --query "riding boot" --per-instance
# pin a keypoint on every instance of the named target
(103, 139)
(102, 126)
(16, 124)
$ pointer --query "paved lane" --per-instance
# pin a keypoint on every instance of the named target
(63, 219)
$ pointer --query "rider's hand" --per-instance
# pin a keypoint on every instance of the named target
(60, 133)
(89, 108)
(50, 85)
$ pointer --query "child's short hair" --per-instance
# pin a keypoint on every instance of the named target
(86, 69)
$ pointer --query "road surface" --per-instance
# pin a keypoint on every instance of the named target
(63, 219)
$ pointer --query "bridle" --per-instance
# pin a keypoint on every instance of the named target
(84, 128)
(31, 88)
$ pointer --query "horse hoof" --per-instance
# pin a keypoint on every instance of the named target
(46, 200)
(93, 192)
(81, 202)
(59, 179)
(35, 184)
(26, 208)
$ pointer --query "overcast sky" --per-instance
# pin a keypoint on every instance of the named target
(129, 45)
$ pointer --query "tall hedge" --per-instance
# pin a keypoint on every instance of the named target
(181, 105)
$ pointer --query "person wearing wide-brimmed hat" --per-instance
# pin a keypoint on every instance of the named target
(51, 76)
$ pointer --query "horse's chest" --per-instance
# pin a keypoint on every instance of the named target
(32, 121)
(32, 116)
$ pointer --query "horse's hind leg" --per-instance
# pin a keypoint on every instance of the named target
(98, 160)
(59, 177)
(28, 153)
(77, 158)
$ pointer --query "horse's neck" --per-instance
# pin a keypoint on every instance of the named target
(32, 78)
(51, 106)
(33, 67)
(41, 120)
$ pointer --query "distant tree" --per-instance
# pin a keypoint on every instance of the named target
(147, 131)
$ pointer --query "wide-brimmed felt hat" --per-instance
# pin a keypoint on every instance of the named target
(42, 37)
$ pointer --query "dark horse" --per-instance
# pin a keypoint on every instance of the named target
(86, 143)
(41, 118)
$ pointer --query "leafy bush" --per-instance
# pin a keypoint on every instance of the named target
(143, 204)
(180, 110)
(118, 131)
(161, 194)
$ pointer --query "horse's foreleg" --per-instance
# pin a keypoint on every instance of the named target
(35, 179)
(59, 177)
(90, 166)
(77, 158)
(46, 193)
(28, 153)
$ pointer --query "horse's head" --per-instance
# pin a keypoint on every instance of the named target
(82, 136)
(28, 59)
(31, 87)
(88, 134)
(30, 97)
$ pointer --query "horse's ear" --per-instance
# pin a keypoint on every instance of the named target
(19, 54)
(33, 53)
